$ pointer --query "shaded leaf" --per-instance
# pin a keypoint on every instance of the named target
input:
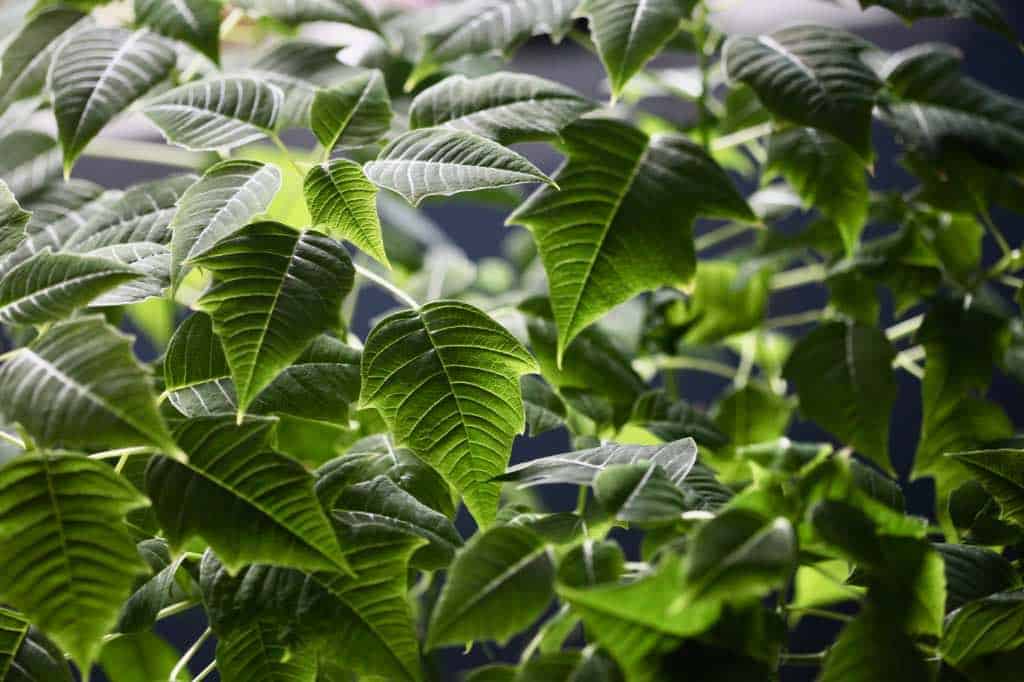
(31, 161)
(26, 58)
(196, 22)
(12, 221)
(26, 655)
(871, 648)
(255, 653)
(351, 12)
(640, 493)
(984, 12)
(353, 113)
(142, 656)
(973, 573)
(1001, 472)
(981, 628)
(344, 203)
(545, 411)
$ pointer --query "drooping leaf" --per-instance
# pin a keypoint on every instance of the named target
(97, 76)
(171, 583)
(640, 493)
(255, 653)
(26, 655)
(1001, 472)
(442, 162)
(344, 203)
(31, 161)
(233, 481)
(79, 385)
(843, 377)
(507, 107)
(354, 113)
(26, 58)
(275, 291)
(596, 235)
(12, 221)
(498, 584)
(222, 113)
(544, 409)
(445, 378)
(984, 12)
(582, 467)
(351, 12)
(812, 76)
(196, 22)
(629, 33)
(50, 286)
(223, 201)
(142, 656)
(69, 560)
(982, 628)
(828, 175)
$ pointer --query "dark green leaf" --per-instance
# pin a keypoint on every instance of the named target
(984, 12)
(26, 655)
(196, 22)
(973, 573)
(988, 626)
(353, 113)
(351, 12)
(1002, 474)
(26, 59)
(871, 649)
(545, 411)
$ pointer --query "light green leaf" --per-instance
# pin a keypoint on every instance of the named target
(140, 657)
(507, 107)
(49, 287)
(752, 415)
(96, 392)
(984, 12)
(545, 411)
(1001, 472)
(726, 301)
(598, 237)
(843, 376)
(31, 161)
(502, 581)
(629, 33)
(583, 466)
(351, 12)
(222, 113)
(445, 378)
(69, 559)
(275, 291)
(256, 653)
(97, 76)
(27, 56)
(984, 627)
(196, 22)
(26, 655)
(827, 174)
(223, 201)
(353, 113)
(234, 481)
(812, 76)
(440, 162)
(591, 563)
(344, 204)
(12, 221)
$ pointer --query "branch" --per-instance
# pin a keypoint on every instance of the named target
(390, 287)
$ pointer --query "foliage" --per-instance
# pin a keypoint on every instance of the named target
(254, 458)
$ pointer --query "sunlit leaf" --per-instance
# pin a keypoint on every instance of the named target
(344, 204)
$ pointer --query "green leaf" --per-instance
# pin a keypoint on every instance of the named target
(219, 204)
(974, 573)
(49, 287)
(26, 655)
(984, 12)
(583, 466)
(1001, 472)
(871, 648)
(504, 106)
(599, 238)
(812, 76)
(591, 563)
(726, 301)
(351, 12)
(629, 33)
(640, 621)
(196, 22)
(231, 470)
(97, 76)
(844, 379)
(566, 666)
(255, 653)
(640, 493)
(95, 391)
(31, 161)
(222, 113)
(26, 59)
(445, 378)
(545, 411)
(275, 291)
(353, 113)
(12, 221)
(982, 628)
(827, 174)
(143, 656)
(502, 581)
(170, 584)
(70, 561)
(344, 204)
(441, 162)
(752, 415)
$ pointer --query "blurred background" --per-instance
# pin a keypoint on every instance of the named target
(468, 237)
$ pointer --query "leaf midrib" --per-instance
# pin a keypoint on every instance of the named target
(79, 279)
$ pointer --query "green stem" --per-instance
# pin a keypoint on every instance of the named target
(994, 230)
(13, 440)
(287, 153)
(797, 277)
(905, 328)
(698, 364)
(122, 452)
(719, 235)
(813, 660)
(821, 613)
(795, 320)
(175, 609)
(140, 151)
(187, 656)
(205, 672)
(742, 136)
(397, 293)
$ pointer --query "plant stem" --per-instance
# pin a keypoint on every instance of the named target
(206, 672)
(821, 613)
(994, 230)
(803, 659)
(13, 440)
(187, 656)
(904, 328)
(742, 136)
(287, 153)
(797, 277)
(698, 364)
(174, 609)
(794, 320)
(397, 293)
(122, 452)
(141, 151)
(719, 235)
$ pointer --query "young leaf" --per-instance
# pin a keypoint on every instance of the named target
(344, 204)
(257, 652)
(1002, 474)
(232, 481)
(445, 378)
(196, 22)
(354, 113)
(62, 519)
(506, 107)
(49, 286)
(222, 113)
(97, 75)
(275, 291)
(812, 76)
(12, 221)
(351, 12)
(26, 655)
(94, 391)
(170, 584)
(597, 238)
(26, 58)
(31, 161)
(828, 175)
(984, 12)
(629, 33)
(223, 201)
(726, 301)
(583, 467)
(843, 377)
(440, 162)
(502, 581)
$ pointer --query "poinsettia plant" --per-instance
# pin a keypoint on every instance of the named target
(298, 482)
